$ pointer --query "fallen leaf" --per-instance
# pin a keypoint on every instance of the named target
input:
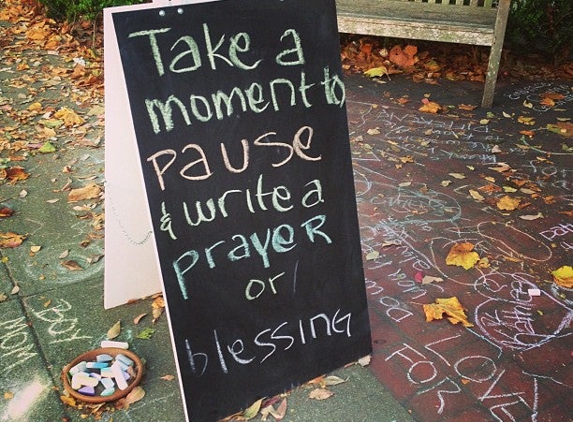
(529, 121)
(563, 276)
(507, 203)
(374, 131)
(168, 377)
(69, 117)
(15, 174)
(72, 265)
(146, 334)
(365, 361)
(333, 380)
(70, 401)
(377, 72)
(457, 175)
(114, 331)
(134, 396)
(476, 195)
(449, 306)
(320, 394)
(280, 413)
(6, 212)
(532, 217)
(430, 106)
(138, 318)
(501, 167)
(371, 256)
(47, 148)
(462, 255)
(252, 410)
(11, 240)
(428, 279)
(15, 290)
(90, 191)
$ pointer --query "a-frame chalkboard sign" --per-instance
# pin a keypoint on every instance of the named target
(239, 112)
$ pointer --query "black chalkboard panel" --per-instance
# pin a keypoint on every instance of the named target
(240, 120)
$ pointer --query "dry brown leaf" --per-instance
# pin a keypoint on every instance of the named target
(462, 255)
(428, 279)
(320, 394)
(138, 318)
(134, 396)
(72, 265)
(168, 377)
(90, 191)
(449, 306)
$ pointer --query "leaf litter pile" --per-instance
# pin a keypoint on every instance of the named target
(50, 104)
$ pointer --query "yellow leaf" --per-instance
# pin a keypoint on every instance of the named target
(530, 121)
(476, 195)
(462, 255)
(508, 204)
(69, 117)
(252, 410)
(564, 276)
(449, 306)
(376, 72)
(114, 331)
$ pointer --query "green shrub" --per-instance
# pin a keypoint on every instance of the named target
(543, 24)
(72, 10)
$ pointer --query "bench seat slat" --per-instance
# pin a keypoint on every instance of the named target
(417, 21)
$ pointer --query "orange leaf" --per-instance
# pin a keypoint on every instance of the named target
(13, 174)
(430, 107)
(462, 255)
(451, 307)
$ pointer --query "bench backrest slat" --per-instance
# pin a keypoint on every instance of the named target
(487, 4)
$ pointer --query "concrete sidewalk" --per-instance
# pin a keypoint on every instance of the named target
(414, 173)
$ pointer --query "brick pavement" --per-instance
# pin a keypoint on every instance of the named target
(515, 363)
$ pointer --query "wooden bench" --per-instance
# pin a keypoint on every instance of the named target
(476, 22)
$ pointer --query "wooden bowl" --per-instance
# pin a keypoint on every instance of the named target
(91, 356)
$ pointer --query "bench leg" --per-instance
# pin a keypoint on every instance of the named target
(495, 53)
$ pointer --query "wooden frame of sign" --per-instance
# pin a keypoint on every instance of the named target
(239, 115)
